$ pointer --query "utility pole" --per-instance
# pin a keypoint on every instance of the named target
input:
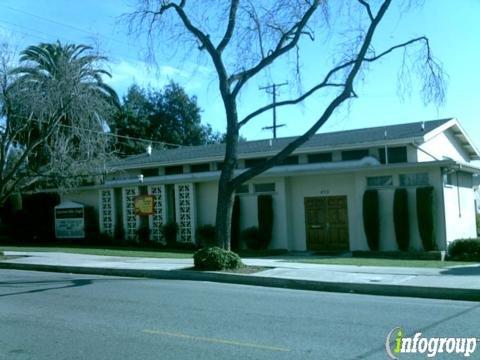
(272, 89)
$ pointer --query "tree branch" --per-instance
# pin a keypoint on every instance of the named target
(367, 6)
(325, 82)
(347, 93)
(231, 26)
(288, 102)
(294, 33)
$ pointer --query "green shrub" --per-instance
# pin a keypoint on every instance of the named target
(235, 226)
(265, 220)
(400, 218)
(119, 233)
(104, 239)
(169, 233)
(205, 235)
(143, 234)
(465, 250)
(251, 237)
(426, 216)
(371, 221)
(477, 217)
(215, 258)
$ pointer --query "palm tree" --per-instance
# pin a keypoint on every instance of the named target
(69, 71)
(60, 87)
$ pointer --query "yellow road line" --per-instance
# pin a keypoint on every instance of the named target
(214, 340)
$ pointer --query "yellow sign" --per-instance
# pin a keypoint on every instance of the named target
(143, 205)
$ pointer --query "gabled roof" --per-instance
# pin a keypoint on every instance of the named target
(319, 142)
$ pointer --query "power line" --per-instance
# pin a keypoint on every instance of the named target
(120, 136)
(109, 134)
(61, 24)
(46, 37)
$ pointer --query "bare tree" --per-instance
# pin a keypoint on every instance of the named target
(53, 105)
(243, 38)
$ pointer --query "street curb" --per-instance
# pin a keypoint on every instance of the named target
(242, 279)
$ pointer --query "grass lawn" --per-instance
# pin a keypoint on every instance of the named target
(358, 261)
(114, 251)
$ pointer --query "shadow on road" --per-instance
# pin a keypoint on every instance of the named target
(68, 284)
(463, 270)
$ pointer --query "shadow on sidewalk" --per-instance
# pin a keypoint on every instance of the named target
(463, 270)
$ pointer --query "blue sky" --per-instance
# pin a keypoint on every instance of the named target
(452, 27)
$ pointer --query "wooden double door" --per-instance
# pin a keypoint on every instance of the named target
(326, 221)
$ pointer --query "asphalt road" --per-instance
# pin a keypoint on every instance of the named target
(62, 316)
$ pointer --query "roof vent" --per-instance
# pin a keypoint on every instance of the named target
(149, 150)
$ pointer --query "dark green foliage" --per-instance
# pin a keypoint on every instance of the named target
(143, 234)
(205, 235)
(35, 221)
(465, 250)
(215, 258)
(371, 220)
(400, 218)
(119, 233)
(169, 232)
(104, 239)
(477, 217)
(235, 226)
(265, 220)
(251, 237)
(167, 115)
(426, 216)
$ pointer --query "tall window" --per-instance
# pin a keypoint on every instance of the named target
(290, 160)
(173, 170)
(354, 154)
(254, 162)
(395, 155)
(319, 157)
(200, 168)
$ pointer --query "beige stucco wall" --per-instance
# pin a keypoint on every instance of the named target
(440, 146)
(289, 213)
(460, 209)
(353, 185)
(206, 198)
(86, 197)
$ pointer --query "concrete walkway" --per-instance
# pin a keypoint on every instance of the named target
(461, 282)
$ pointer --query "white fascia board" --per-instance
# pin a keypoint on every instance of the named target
(470, 144)
(286, 170)
(470, 147)
(440, 129)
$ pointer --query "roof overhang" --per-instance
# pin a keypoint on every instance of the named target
(459, 134)
(252, 155)
(298, 170)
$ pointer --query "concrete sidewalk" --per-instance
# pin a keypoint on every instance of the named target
(460, 283)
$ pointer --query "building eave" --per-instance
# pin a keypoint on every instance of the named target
(301, 151)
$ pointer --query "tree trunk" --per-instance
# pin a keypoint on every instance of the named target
(226, 190)
(224, 215)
